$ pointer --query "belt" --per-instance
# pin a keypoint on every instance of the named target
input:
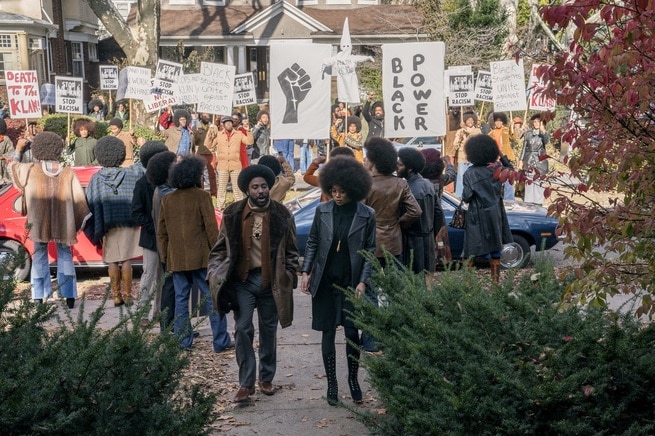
(257, 270)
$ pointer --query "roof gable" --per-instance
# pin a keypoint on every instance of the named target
(277, 8)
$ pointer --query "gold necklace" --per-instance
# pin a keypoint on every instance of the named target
(257, 228)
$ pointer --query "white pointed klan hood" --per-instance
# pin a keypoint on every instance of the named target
(346, 45)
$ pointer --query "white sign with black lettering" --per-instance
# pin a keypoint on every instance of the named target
(483, 90)
(69, 95)
(508, 85)
(244, 90)
(108, 77)
(216, 88)
(460, 88)
(134, 82)
(186, 88)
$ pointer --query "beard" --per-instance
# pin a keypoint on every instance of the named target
(259, 200)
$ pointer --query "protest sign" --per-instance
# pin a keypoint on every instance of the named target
(460, 87)
(134, 82)
(244, 90)
(23, 94)
(186, 88)
(216, 88)
(108, 77)
(69, 95)
(508, 86)
(483, 90)
(536, 87)
(48, 94)
(300, 94)
(412, 82)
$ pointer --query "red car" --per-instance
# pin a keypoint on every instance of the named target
(13, 234)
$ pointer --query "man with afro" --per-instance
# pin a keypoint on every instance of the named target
(111, 227)
(420, 236)
(487, 228)
(56, 211)
(186, 232)
(142, 215)
(343, 227)
(180, 139)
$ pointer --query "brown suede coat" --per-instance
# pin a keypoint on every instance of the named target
(283, 253)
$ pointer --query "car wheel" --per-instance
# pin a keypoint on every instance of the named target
(516, 254)
(13, 251)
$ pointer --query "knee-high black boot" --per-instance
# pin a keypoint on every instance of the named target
(353, 383)
(330, 363)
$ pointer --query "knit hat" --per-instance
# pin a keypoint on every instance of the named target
(227, 118)
(47, 146)
(116, 122)
(110, 151)
(249, 173)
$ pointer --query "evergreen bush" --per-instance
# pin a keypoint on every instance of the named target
(462, 356)
(69, 377)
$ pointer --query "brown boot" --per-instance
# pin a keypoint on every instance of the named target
(495, 270)
(115, 284)
(126, 277)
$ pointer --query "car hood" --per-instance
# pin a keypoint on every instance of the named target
(521, 207)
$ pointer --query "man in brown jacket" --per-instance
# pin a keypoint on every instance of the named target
(227, 144)
(254, 265)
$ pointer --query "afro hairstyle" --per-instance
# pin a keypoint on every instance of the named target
(261, 113)
(180, 113)
(116, 122)
(149, 149)
(348, 174)
(342, 151)
(536, 116)
(89, 125)
(500, 116)
(381, 153)
(187, 173)
(481, 150)
(412, 159)
(468, 115)
(354, 120)
(377, 104)
(250, 172)
(434, 165)
(158, 167)
(110, 151)
(3, 127)
(47, 146)
(271, 162)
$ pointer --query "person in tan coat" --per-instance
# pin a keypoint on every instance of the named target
(116, 129)
(186, 231)
(227, 143)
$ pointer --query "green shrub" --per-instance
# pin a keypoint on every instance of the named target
(74, 378)
(464, 357)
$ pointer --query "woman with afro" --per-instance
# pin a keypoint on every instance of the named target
(56, 211)
(487, 228)
(353, 138)
(186, 232)
(342, 228)
(111, 227)
(83, 147)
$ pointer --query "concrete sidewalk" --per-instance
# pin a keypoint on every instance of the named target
(299, 407)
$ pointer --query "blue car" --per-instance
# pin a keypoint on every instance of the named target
(529, 224)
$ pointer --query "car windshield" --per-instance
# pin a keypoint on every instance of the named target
(301, 201)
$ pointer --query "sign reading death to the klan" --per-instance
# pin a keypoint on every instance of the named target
(216, 88)
(23, 94)
(536, 87)
(483, 90)
(244, 90)
(108, 77)
(69, 95)
(412, 81)
(460, 88)
(186, 91)
(134, 82)
(508, 86)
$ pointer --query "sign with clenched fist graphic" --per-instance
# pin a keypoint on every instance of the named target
(300, 93)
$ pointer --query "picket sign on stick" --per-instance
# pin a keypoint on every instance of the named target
(130, 124)
(68, 127)
(480, 119)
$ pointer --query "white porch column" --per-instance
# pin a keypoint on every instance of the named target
(229, 50)
(241, 59)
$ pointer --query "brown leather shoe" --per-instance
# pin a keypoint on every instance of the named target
(243, 393)
(267, 388)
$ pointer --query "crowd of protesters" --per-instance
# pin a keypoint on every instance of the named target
(160, 204)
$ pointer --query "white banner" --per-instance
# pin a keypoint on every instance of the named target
(460, 88)
(23, 94)
(535, 87)
(69, 95)
(186, 88)
(108, 77)
(412, 82)
(216, 88)
(483, 90)
(244, 90)
(508, 85)
(134, 82)
(300, 93)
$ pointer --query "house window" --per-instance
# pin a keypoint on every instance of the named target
(213, 2)
(77, 59)
(306, 2)
(5, 41)
(93, 52)
(182, 2)
(6, 63)
(338, 2)
(368, 2)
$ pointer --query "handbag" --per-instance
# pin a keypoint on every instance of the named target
(458, 221)
(23, 208)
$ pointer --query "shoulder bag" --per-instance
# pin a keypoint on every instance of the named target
(458, 221)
